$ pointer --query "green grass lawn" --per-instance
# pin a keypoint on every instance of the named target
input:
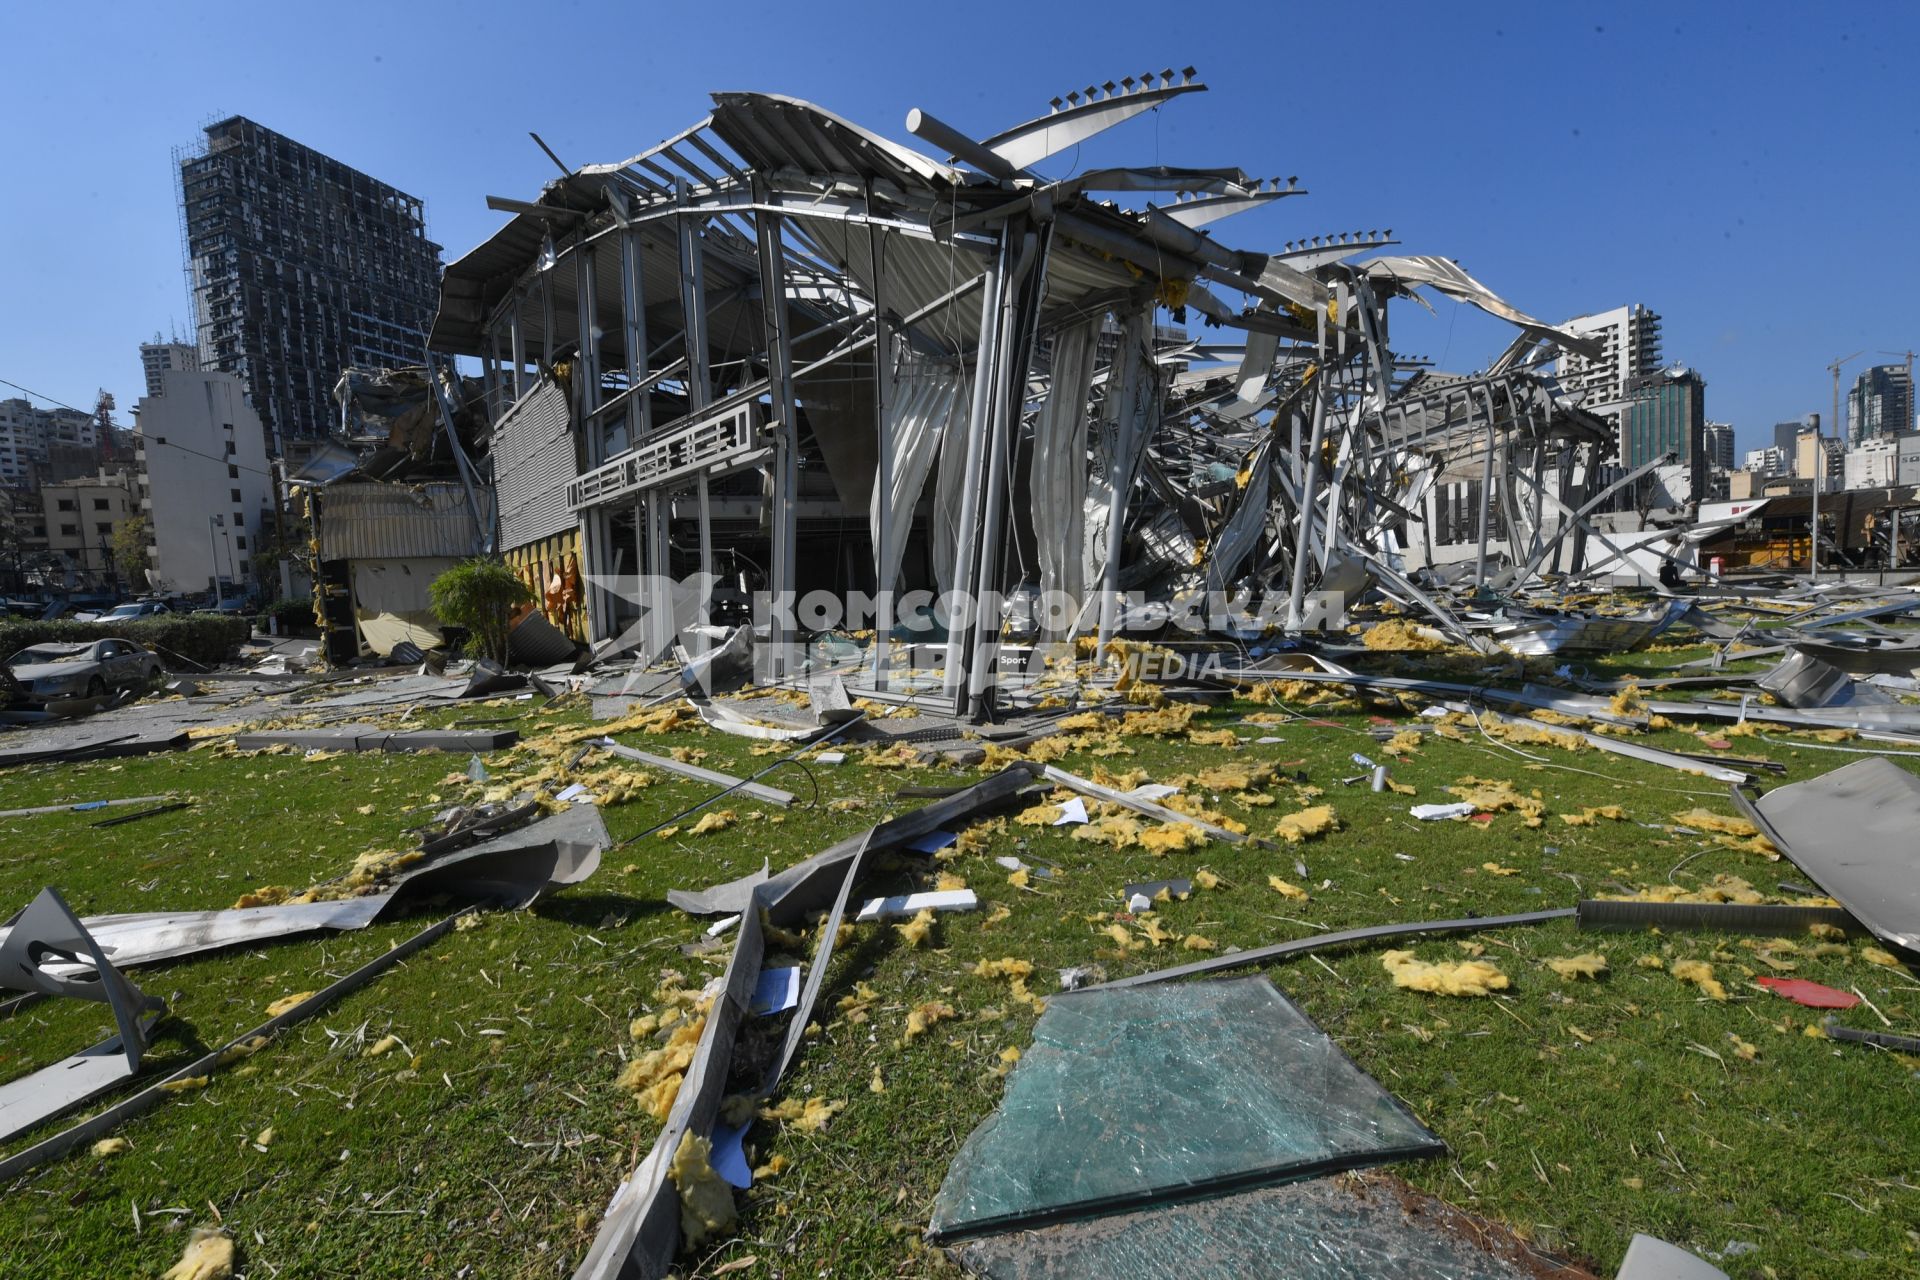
(1577, 1112)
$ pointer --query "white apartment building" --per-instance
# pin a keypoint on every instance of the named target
(27, 433)
(204, 480)
(1770, 461)
(157, 357)
(1629, 340)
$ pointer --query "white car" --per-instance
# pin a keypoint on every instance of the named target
(133, 609)
(88, 669)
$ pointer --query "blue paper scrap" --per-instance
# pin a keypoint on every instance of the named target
(729, 1158)
(777, 990)
(932, 842)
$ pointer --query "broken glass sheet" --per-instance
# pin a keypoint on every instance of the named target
(1134, 1096)
(1324, 1228)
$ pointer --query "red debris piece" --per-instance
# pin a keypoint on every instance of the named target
(1810, 994)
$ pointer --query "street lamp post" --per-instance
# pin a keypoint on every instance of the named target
(213, 557)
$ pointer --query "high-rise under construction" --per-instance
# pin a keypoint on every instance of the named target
(300, 266)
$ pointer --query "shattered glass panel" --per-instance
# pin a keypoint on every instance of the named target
(1138, 1095)
(1324, 1230)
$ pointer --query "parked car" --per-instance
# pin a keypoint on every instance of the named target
(83, 670)
(133, 609)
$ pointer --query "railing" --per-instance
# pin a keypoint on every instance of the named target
(728, 441)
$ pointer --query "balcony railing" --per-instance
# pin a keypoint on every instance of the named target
(728, 441)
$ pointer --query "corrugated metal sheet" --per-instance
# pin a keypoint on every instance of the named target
(534, 461)
(771, 131)
(362, 520)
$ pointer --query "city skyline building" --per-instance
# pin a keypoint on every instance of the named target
(158, 356)
(1880, 403)
(1665, 414)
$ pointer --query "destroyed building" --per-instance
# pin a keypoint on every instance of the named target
(980, 383)
(300, 267)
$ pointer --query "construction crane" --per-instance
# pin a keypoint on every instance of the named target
(103, 407)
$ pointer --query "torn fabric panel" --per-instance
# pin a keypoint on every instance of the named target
(1059, 467)
(926, 400)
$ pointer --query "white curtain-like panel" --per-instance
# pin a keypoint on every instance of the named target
(1059, 473)
(923, 397)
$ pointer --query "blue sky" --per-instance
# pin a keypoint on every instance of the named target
(1747, 170)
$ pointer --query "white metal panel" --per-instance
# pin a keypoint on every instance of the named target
(534, 461)
(368, 520)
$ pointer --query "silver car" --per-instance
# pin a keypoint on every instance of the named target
(82, 670)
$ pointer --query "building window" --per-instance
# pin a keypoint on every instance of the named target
(239, 521)
(69, 530)
(65, 504)
(230, 448)
(233, 472)
(240, 544)
(101, 504)
(103, 529)
(235, 494)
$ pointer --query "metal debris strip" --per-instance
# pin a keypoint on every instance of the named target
(138, 1104)
(1852, 832)
(809, 885)
(1131, 1097)
(759, 791)
(1146, 808)
(46, 934)
(143, 814)
(372, 738)
(1879, 1039)
(48, 951)
(1651, 1259)
(1773, 920)
(104, 745)
(84, 806)
(1229, 961)
(1803, 680)
(640, 1232)
(509, 870)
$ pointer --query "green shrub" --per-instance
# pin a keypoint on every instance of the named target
(479, 594)
(202, 638)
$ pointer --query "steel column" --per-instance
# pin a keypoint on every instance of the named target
(966, 544)
(783, 423)
(1015, 346)
(1135, 333)
(883, 583)
(1304, 499)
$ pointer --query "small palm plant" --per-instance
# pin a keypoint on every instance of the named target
(479, 594)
